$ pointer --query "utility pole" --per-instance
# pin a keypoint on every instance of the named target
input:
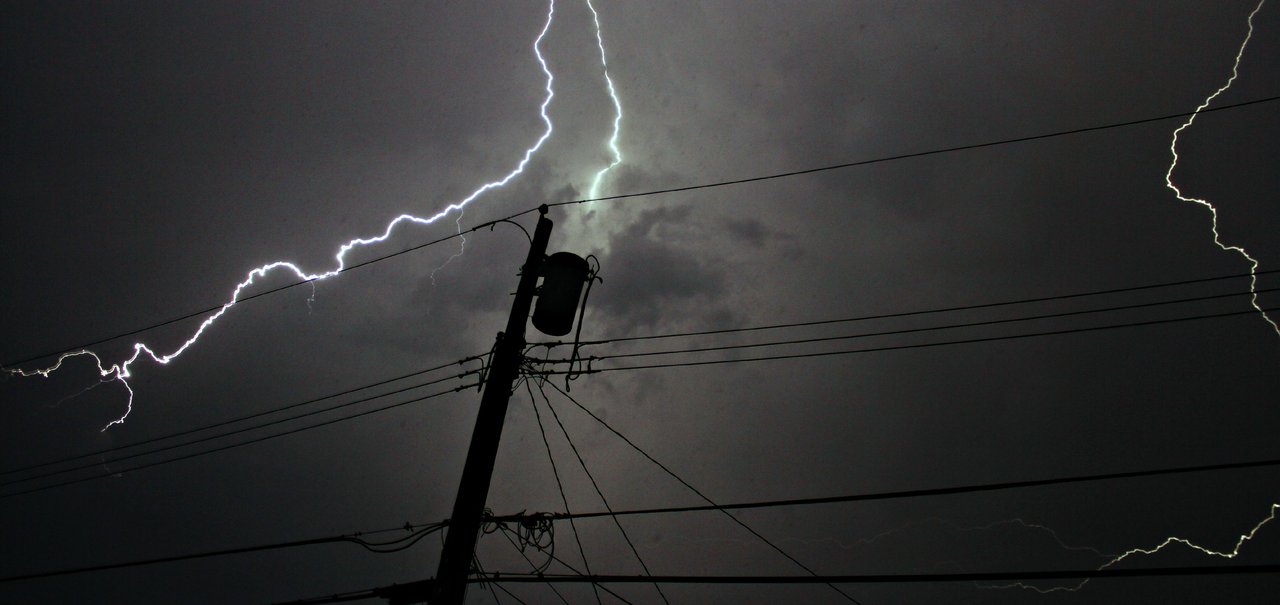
(449, 587)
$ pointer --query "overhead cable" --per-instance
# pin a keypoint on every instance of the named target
(599, 492)
(685, 509)
(506, 532)
(699, 493)
(898, 332)
(933, 311)
(923, 345)
(415, 534)
(920, 154)
(223, 448)
(254, 427)
(223, 423)
(916, 493)
(655, 192)
(989, 576)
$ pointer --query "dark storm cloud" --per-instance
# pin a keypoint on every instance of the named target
(152, 153)
(752, 231)
(651, 278)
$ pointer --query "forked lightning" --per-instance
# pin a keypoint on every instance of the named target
(121, 371)
(1213, 211)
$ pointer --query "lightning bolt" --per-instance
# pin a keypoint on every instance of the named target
(462, 247)
(1112, 559)
(1167, 542)
(1213, 211)
(1225, 554)
(1217, 239)
(594, 191)
(611, 143)
(121, 371)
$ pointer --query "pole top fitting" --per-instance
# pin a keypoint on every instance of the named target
(542, 209)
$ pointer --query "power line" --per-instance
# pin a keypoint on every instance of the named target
(695, 490)
(655, 192)
(506, 533)
(912, 493)
(242, 443)
(230, 433)
(649, 511)
(479, 571)
(933, 311)
(250, 297)
(705, 349)
(919, 154)
(223, 423)
(990, 322)
(599, 492)
(417, 532)
(503, 589)
(923, 345)
(991, 576)
(346, 597)
(559, 485)
(1054, 574)
(684, 509)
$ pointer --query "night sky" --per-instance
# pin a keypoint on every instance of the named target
(154, 152)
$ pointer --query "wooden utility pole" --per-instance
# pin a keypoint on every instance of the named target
(450, 585)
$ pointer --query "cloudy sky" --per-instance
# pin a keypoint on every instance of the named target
(154, 153)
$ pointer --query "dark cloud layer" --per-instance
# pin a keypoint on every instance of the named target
(152, 153)
(653, 279)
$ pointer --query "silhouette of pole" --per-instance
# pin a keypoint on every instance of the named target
(459, 546)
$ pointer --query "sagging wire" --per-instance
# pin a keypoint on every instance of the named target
(416, 534)
(533, 532)
(537, 532)
(506, 533)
